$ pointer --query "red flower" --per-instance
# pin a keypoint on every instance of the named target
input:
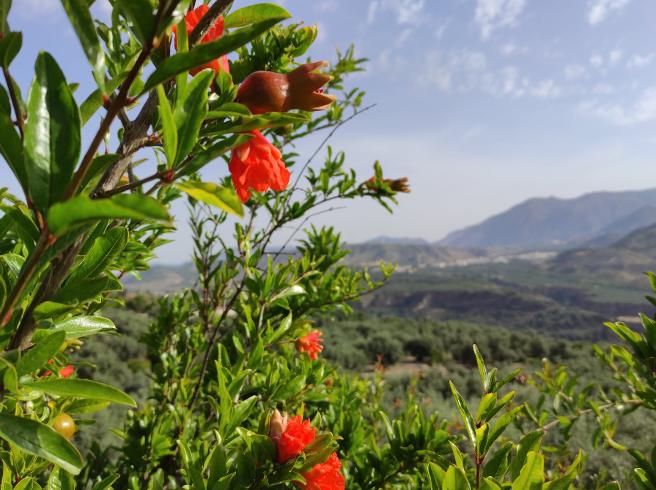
(266, 91)
(66, 371)
(311, 344)
(216, 31)
(325, 476)
(257, 165)
(297, 434)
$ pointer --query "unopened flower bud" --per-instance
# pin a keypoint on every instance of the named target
(266, 91)
(277, 425)
(398, 185)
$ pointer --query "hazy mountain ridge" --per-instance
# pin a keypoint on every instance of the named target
(628, 257)
(552, 223)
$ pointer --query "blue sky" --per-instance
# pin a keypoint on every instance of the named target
(481, 103)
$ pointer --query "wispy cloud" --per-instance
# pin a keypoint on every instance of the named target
(495, 14)
(599, 10)
(32, 8)
(328, 5)
(574, 71)
(641, 110)
(465, 71)
(405, 11)
(640, 61)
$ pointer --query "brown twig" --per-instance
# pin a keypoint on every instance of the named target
(214, 12)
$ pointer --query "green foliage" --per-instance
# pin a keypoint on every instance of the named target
(206, 377)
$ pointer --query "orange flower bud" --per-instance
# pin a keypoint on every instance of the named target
(396, 185)
(277, 425)
(266, 91)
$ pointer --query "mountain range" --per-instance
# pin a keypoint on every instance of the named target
(552, 223)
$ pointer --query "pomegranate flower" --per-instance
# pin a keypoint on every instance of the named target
(215, 32)
(325, 476)
(257, 165)
(294, 438)
(265, 91)
(311, 344)
(66, 371)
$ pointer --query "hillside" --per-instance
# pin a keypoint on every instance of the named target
(625, 260)
(410, 256)
(553, 223)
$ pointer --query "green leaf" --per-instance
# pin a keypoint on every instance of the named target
(497, 464)
(82, 388)
(532, 475)
(40, 440)
(455, 479)
(202, 158)
(28, 484)
(169, 131)
(60, 480)
(82, 21)
(290, 388)
(106, 483)
(83, 326)
(39, 355)
(190, 113)
(529, 443)
(214, 195)
(482, 371)
(103, 251)
(5, 7)
(96, 98)
(81, 209)
(52, 134)
(204, 53)
(466, 415)
(140, 15)
(10, 45)
(49, 310)
(254, 14)
(85, 289)
(11, 149)
(564, 481)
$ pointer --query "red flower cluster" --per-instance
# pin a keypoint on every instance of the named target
(215, 32)
(296, 435)
(325, 476)
(257, 165)
(64, 372)
(291, 437)
(311, 344)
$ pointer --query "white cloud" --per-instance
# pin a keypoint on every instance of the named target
(640, 111)
(599, 10)
(574, 71)
(30, 8)
(328, 5)
(603, 89)
(495, 14)
(444, 70)
(596, 61)
(441, 27)
(509, 49)
(615, 56)
(405, 11)
(371, 14)
(545, 89)
(403, 36)
(640, 61)
(466, 71)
